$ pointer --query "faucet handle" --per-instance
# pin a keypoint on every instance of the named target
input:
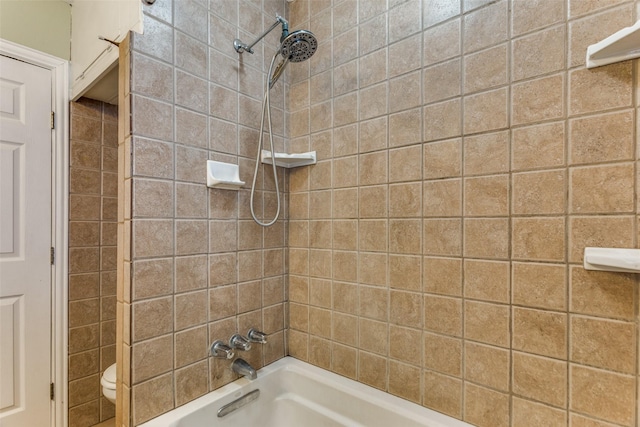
(221, 350)
(239, 342)
(255, 335)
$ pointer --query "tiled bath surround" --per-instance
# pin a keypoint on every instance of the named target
(92, 257)
(466, 158)
(196, 267)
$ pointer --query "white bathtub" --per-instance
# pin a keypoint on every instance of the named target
(294, 393)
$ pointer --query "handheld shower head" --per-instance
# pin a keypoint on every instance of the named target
(299, 46)
(295, 47)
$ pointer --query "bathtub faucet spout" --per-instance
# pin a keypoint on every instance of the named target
(242, 367)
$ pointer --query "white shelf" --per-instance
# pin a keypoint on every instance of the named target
(623, 45)
(289, 160)
(612, 259)
(223, 175)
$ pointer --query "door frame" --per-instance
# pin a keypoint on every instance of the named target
(59, 69)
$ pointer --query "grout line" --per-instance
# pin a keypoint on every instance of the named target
(566, 217)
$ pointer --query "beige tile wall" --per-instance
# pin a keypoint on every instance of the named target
(196, 268)
(92, 257)
(466, 158)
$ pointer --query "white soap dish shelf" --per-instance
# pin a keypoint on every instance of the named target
(612, 259)
(620, 46)
(289, 160)
(223, 175)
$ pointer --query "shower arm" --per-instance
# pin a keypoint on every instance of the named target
(241, 47)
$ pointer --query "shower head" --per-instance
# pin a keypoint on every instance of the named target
(295, 47)
(298, 46)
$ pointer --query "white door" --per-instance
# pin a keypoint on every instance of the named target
(25, 242)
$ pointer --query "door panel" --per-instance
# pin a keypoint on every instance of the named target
(25, 242)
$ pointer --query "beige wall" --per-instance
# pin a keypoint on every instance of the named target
(41, 25)
(466, 158)
(196, 268)
(92, 258)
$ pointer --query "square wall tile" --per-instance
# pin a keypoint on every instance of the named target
(601, 293)
(486, 69)
(487, 365)
(600, 90)
(485, 27)
(442, 354)
(372, 370)
(591, 29)
(532, 15)
(399, 61)
(486, 238)
(405, 200)
(487, 323)
(486, 196)
(538, 146)
(487, 280)
(539, 193)
(402, 345)
(443, 41)
(540, 332)
(612, 195)
(485, 407)
(443, 315)
(614, 231)
(443, 275)
(443, 393)
(589, 136)
(525, 411)
(402, 381)
(442, 120)
(442, 159)
(539, 53)
(603, 343)
(151, 318)
(442, 237)
(442, 198)
(405, 164)
(486, 111)
(539, 285)
(612, 399)
(538, 238)
(538, 100)
(486, 154)
(541, 379)
(405, 128)
(441, 81)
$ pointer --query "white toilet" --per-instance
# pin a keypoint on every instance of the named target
(108, 382)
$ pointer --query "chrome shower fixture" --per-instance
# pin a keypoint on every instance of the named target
(241, 47)
(298, 46)
(295, 47)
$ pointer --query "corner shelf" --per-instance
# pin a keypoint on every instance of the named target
(620, 46)
(223, 175)
(289, 160)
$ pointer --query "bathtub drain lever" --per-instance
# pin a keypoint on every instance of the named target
(238, 403)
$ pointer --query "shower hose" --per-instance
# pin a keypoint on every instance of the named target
(266, 111)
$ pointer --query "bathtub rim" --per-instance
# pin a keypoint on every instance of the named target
(288, 363)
